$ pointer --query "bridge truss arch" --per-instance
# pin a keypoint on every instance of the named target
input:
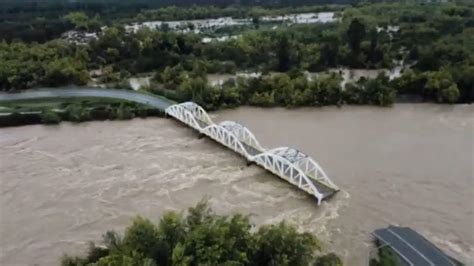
(286, 170)
(242, 133)
(225, 137)
(182, 114)
(197, 111)
(305, 163)
(288, 163)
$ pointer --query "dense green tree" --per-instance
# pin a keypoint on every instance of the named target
(50, 117)
(23, 66)
(327, 89)
(440, 85)
(79, 19)
(433, 37)
(124, 112)
(330, 49)
(410, 82)
(82, 22)
(65, 71)
(378, 91)
(77, 113)
(283, 245)
(356, 33)
(256, 21)
(282, 87)
(171, 77)
(386, 257)
(353, 94)
(330, 259)
(465, 81)
(283, 53)
(203, 238)
(142, 237)
(449, 95)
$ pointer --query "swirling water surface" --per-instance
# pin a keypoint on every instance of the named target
(410, 165)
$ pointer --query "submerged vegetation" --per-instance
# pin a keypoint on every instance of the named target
(291, 90)
(203, 238)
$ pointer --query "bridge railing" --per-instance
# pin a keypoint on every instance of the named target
(288, 163)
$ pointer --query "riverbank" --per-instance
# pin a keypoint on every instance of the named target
(77, 104)
(80, 104)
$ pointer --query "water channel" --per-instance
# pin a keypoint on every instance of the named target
(410, 165)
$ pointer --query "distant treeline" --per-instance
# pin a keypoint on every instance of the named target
(15, 6)
(43, 20)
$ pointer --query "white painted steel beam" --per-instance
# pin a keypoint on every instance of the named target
(289, 164)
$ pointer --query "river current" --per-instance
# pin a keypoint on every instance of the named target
(409, 165)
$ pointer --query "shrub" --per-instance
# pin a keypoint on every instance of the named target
(50, 117)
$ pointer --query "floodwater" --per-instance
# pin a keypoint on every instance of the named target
(410, 165)
(347, 75)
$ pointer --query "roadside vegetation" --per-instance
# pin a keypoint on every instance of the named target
(200, 237)
(53, 111)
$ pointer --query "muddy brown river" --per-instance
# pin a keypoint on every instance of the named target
(410, 165)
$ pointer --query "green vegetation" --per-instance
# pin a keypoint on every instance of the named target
(82, 22)
(385, 257)
(55, 63)
(50, 117)
(54, 111)
(434, 42)
(290, 90)
(203, 238)
(41, 21)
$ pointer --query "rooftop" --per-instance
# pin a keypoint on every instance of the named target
(412, 248)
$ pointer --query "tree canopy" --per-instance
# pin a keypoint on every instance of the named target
(200, 237)
(434, 43)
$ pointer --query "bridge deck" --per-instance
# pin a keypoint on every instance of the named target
(76, 92)
(322, 188)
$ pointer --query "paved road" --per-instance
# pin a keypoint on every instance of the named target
(45, 93)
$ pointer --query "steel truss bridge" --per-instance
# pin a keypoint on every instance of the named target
(287, 163)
